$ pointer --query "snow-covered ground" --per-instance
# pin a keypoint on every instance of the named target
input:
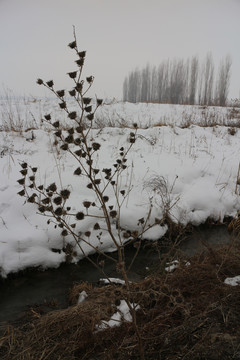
(191, 169)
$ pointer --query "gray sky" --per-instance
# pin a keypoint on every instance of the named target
(119, 35)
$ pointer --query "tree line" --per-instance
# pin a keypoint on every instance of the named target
(180, 81)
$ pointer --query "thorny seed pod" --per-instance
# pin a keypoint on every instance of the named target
(80, 216)
(82, 54)
(23, 172)
(50, 83)
(24, 165)
(105, 198)
(96, 146)
(90, 79)
(99, 102)
(34, 169)
(88, 109)
(87, 204)
(72, 115)
(71, 131)
(72, 74)
(21, 181)
(58, 211)
(77, 141)
(86, 100)
(64, 232)
(113, 213)
(56, 124)
(57, 200)
(96, 226)
(72, 44)
(69, 139)
(21, 193)
(42, 209)
(39, 81)
(47, 117)
(90, 116)
(64, 147)
(78, 171)
(63, 105)
(80, 62)
(87, 233)
(52, 187)
(65, 193)
(72, 92)
(60, 93)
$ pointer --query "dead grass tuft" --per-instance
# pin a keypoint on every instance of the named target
(187, 314)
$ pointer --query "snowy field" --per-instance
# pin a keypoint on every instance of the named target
(178, 161)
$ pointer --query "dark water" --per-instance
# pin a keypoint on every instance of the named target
(19, 292)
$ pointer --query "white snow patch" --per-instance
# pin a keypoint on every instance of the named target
(234, 281)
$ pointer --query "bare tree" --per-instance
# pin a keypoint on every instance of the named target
(223, 81)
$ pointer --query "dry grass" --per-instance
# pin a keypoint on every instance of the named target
(189, 314)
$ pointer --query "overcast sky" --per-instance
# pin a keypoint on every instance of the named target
(119, 35)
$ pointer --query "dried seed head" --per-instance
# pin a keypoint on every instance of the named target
(46, 201)
(99, 102)
(73, 226)
(86, 100)
(57, 200)
(88, 109)
(87, 233)
(87, 204)
(90, 116)
(64, 232)
(72, 115)
(105, 198)
(79, 86)
(21, 193)
(58, 133)
(79, 129)
(78, 171)
(39, 81)
(34, 169)
(42, 209)
(97, 181)
(71, 131)
(77, 141)
(72, 44)
(65, 193)
(132, 140)
(23, 172)
(72, 74)
(89, 186)
(52, 187)
(96, 146)
(113, 213)
(40, 187)
(56, 124)
(82, 54)
(80, 62)
(78, 153)
(122, 192)
(135, 125)
(72, 92)
(90, 79)
(96, 226)
(80, 216)
(24, 165)
(64, 147)
(96, 171)
(63, 105)
(47, 117)
(32, 178)
(60, 93)
(21, 181)
(50, 83)
(58, 211)
(69, 139)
